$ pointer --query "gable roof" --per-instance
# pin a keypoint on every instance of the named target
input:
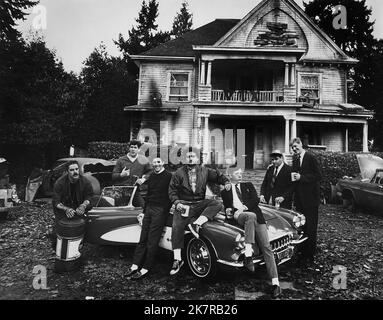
(207, 34)
(303, 15)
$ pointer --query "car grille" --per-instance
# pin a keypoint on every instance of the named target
(280, 243)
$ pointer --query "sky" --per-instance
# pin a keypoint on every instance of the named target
(73, 28)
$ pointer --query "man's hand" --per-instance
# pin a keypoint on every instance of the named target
(70, 213)
(227, 186)
(262, 199)
(140, 218)
(297, 176)
(140, 181)
(81, 209)
(125, 172)
(279, 199)
(179, 206)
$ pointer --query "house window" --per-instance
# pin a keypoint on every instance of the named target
(310, 87)
(179, 89)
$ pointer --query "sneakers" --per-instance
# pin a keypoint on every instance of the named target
(177, 264)
(249, 264)
(194, 229)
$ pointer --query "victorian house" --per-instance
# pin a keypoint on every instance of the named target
(270, 76)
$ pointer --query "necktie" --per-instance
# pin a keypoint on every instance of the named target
(273, 178)
(239, 194)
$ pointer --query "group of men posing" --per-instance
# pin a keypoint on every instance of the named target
(183, 194)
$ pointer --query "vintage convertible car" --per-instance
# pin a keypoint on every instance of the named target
(365, 190)
(114, 221)
(98, 171)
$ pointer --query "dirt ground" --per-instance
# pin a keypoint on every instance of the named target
(353, 241)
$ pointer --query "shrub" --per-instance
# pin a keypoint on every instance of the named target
(107, 150)
(334, 166)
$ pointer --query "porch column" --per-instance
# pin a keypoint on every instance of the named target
(202, 76)
(206, 138)
(292, 74)
(286, 74)
(346, 140)
(208, 78)
(287, 136)
(294, 129)
(365, 137)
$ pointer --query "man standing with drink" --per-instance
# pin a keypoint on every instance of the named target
(306, 176)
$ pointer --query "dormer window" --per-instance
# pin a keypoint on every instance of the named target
(179, 86)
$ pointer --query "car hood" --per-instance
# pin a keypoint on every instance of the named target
(368, 163)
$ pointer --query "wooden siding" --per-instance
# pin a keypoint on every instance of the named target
(317, 47)
(154, 78)
(333, 83)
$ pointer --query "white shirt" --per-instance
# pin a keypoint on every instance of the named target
(236, 202)
(302, 155)
(131, 158)
(279, 168)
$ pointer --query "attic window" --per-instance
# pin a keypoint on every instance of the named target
(179, 89)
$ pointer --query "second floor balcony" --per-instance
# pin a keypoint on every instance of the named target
(247, 95)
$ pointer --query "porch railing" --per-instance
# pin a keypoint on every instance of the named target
(247, 96)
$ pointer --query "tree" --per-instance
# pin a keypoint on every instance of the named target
(356, 40)
(144, 36)
(183, 21)
(357, 36)
(10, 12)
(109, 86)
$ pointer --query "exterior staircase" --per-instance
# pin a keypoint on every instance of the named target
(255, 177)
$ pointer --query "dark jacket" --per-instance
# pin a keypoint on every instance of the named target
(249, 199)
(180, 189)
(61, 194)
(306, 190)
(283, 186)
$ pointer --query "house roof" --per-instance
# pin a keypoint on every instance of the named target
(208, 34)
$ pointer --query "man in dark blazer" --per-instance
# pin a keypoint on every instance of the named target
(242, 201)
(306, 176)
(277, 185)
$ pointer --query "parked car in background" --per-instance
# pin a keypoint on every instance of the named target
(366, 190)
(8, 193)
(114, 221)
(98, 171)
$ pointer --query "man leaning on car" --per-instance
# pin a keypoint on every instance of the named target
(71, 194)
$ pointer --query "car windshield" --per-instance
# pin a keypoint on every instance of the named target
(116, 196)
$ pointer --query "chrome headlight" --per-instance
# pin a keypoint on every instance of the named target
(297, 221)
(303, 220)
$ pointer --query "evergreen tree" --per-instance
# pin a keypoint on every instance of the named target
(144, 36)
(10, 12)
(183, 21)
(357, 40)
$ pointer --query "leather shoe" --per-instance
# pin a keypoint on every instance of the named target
(276, 291)
(249, 264)
(139, 275)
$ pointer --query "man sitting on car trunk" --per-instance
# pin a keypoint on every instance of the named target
(187, 191)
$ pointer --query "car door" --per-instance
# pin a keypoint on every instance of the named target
(375, 195)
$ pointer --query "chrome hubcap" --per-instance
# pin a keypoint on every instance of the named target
(199, 257)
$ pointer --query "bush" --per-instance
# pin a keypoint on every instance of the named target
(334, 166)
(107, 150)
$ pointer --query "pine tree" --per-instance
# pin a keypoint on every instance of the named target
(183, 21)
(145, 35)
(10, 12)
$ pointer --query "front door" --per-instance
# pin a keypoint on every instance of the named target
(259, 154)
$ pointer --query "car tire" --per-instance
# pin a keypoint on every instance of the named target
(201, 258)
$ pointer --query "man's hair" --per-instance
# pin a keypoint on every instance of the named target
(185, 150)
(231, 170)
(134, 143)
(71, 162)
(295, 140)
